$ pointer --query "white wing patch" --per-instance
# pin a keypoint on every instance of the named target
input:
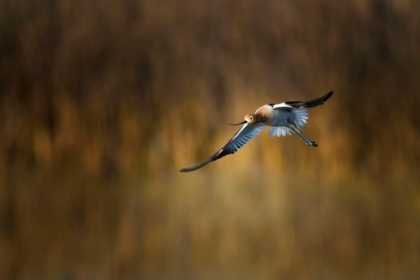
(281, 105)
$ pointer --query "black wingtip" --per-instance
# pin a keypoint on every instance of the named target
(310, 104)
(189, 169)
(184, 170)
(198, 166)
(328, 95)
(318, 101)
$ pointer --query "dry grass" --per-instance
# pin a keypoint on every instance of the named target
(102, 102)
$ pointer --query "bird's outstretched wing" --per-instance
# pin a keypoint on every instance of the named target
(246, 133)
(304, 104)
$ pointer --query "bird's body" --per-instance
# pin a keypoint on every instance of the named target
(283, 119)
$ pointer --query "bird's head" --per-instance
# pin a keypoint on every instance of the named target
(250, 119)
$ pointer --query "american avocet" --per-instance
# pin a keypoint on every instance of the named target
(283, 118)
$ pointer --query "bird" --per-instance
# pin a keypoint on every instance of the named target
(283, 119)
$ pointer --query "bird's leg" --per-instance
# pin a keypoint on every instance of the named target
(295, 129)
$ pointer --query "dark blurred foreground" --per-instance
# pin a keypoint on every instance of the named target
(102, 102)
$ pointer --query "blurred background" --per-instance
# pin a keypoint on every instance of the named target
(103, 101)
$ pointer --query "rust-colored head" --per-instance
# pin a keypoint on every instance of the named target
(262, 115)
(251, 118)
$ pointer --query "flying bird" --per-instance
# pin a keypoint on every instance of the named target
(283, 119)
